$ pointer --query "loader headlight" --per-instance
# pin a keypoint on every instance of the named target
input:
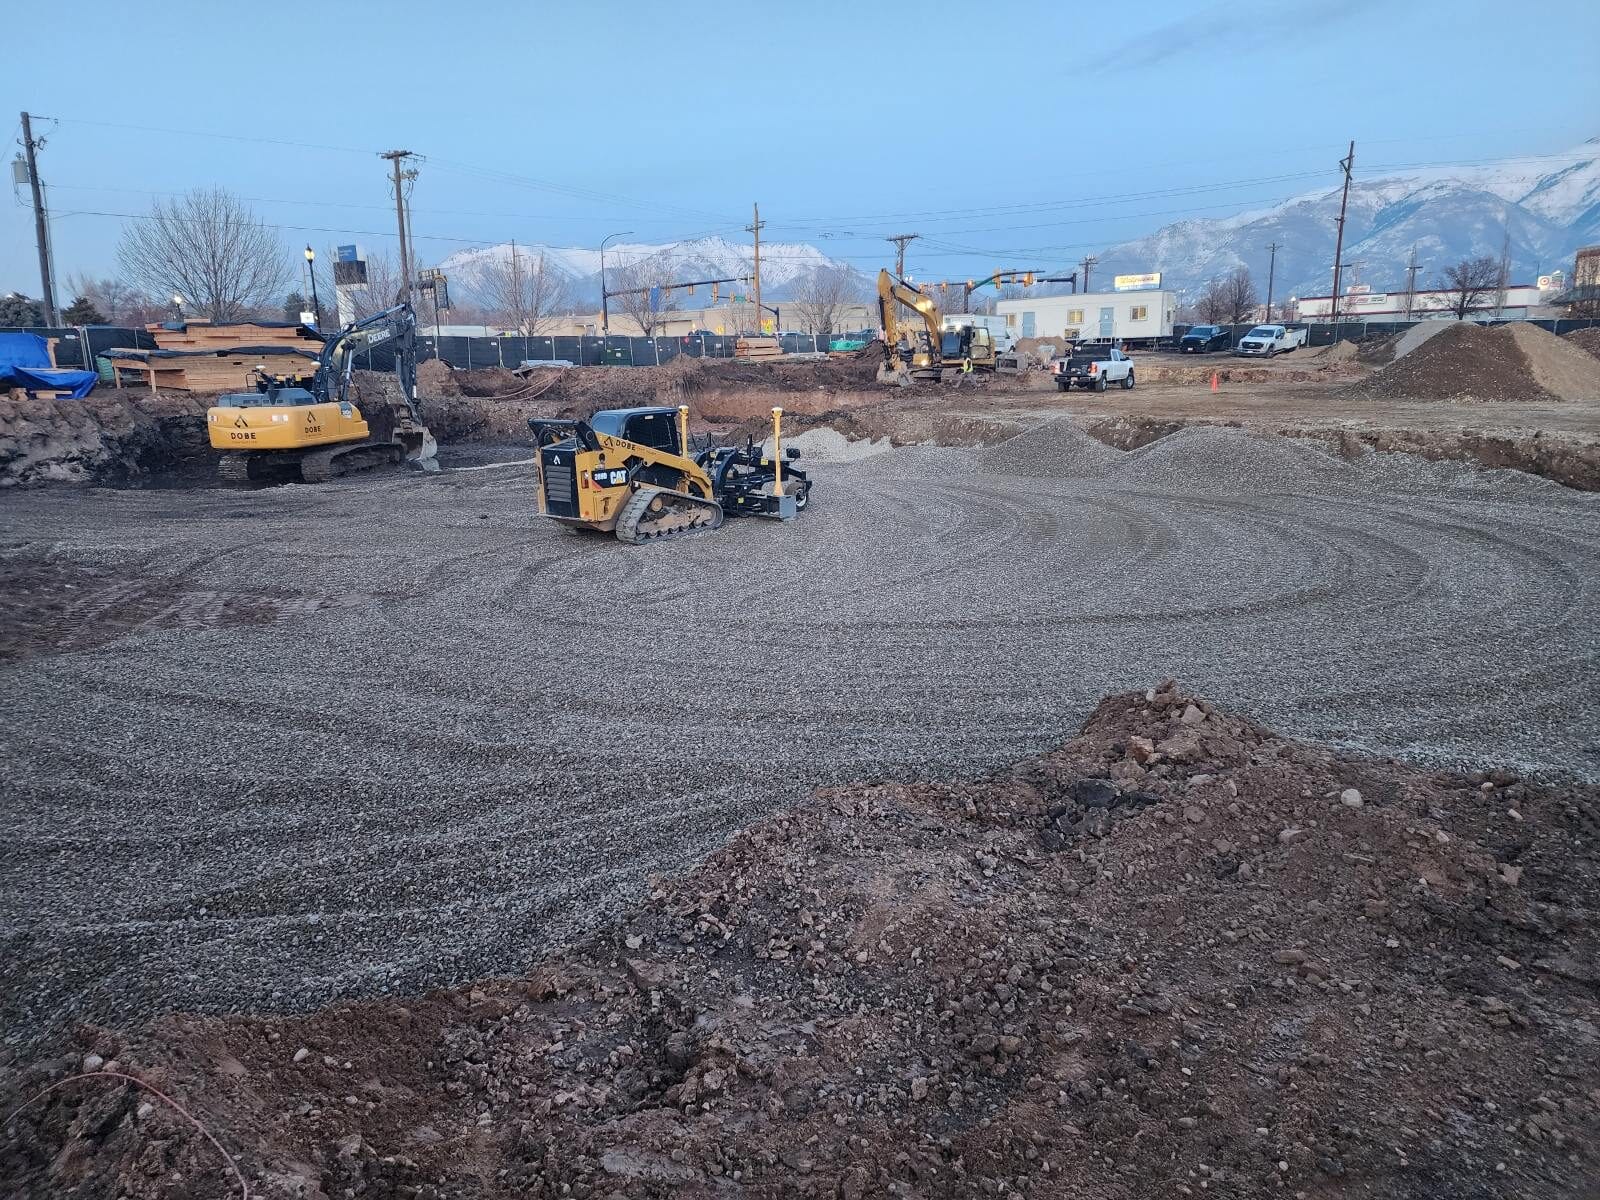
(212, 417)
(280, 418)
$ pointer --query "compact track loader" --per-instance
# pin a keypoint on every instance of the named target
(628, 471)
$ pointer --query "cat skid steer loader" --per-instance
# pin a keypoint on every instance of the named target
(628, 471)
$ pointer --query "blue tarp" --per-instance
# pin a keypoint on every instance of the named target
(25, 363)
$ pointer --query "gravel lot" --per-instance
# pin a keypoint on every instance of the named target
(462, 736)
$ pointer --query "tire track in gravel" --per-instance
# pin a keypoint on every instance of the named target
(504, 727)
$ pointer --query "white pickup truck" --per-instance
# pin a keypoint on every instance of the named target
(1266, 340)
(1094, 365)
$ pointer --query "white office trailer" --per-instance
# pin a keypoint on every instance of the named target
(1122, 316)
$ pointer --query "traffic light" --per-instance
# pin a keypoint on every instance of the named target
(714, 290)
(691, 289)
(1027, 280)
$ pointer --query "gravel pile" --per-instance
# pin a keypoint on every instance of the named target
(1463, 361)
(826, 445)
(1055, 449)
(458, 735)
(1418, 334)
(1179, 955)
(1586, 339)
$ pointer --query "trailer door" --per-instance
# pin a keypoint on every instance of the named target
(1106, 323)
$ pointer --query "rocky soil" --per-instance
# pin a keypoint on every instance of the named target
(1465, 361)
(1179, 955)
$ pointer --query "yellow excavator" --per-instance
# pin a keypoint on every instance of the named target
(932, 352)
(307, 427)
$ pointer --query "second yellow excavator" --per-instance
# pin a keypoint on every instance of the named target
(932, 352)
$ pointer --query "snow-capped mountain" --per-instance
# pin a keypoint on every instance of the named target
(1549, 204)
(784, 265)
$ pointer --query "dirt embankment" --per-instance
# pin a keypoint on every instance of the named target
(1463, 361)
(1178, 954)
(110, 436)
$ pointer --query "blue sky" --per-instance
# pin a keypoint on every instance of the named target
(848, 122)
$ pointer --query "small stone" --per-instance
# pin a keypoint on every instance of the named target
(1289, 958)
(1194, 814)
(1187, 1122)
(1290, 836)
(1192, 715)
(633, 941)
(1244, 871)
(1513, 814)
(1510, 875)
(144, 1111)
(93, 1062)
(1508, 963)
(1350, 798)
(301, 1054)
(919, 1088)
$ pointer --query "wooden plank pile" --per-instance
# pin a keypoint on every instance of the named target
(215, 358)
(757, 347)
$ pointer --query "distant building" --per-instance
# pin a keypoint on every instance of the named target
(729, 319)
(1522, 300)
(1128, 315)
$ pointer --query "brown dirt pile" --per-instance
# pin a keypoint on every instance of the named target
(109, 436)
(1180, 955)
(1471, 362)
(1586, 339)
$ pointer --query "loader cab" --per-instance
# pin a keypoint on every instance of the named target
(656, 428)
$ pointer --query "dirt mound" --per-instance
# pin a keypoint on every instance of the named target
(1179, 954)
(1342, 351)
(435, 377)
(110, 436)
(1561, 369)
(1586, 339)
(1043, 349)
(1460, 362)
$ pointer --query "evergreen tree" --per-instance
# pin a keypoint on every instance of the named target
(293, 305)
(83, 312)
(17, 310)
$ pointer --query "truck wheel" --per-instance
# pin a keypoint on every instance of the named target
(1127, 382)
(1100, 383)
(1063, 385)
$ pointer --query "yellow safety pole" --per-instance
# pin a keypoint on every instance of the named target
(683, 429)
(777, 450)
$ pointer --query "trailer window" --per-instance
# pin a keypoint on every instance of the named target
(1138, 312)
(1074, 316)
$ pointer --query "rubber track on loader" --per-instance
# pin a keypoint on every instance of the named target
(654, 514)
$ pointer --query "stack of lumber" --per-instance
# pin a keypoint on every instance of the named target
(204, 357)
(757, 347)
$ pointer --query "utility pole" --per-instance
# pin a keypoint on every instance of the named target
(396, 157)
(1272, 268)
(1505, 273)
(1345, 163)
(1411, 280)
(1087, 264)
(900, 240)
(41, 225)
(755, 228)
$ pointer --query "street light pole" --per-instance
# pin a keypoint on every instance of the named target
(311, 269)
(605, 304)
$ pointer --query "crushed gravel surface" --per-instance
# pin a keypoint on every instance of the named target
(459, 735)
(1178, 955)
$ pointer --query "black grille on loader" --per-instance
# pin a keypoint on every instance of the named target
(560, 483)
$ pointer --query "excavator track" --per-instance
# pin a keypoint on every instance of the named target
(319, 466)
(654, 514)
(234, 468)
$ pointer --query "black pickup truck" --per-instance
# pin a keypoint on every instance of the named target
(1203, 339)
(1094, 366)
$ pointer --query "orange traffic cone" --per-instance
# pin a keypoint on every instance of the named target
(1214, 386)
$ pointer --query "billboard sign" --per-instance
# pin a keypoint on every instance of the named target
(1137, 283)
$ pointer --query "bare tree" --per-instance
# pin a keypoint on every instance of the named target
(209, 248)
(822, 297)
(646, 292)
(115, 299)
(1239, 291)
(524, 292)
(1211, 305)
(1468, 282)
